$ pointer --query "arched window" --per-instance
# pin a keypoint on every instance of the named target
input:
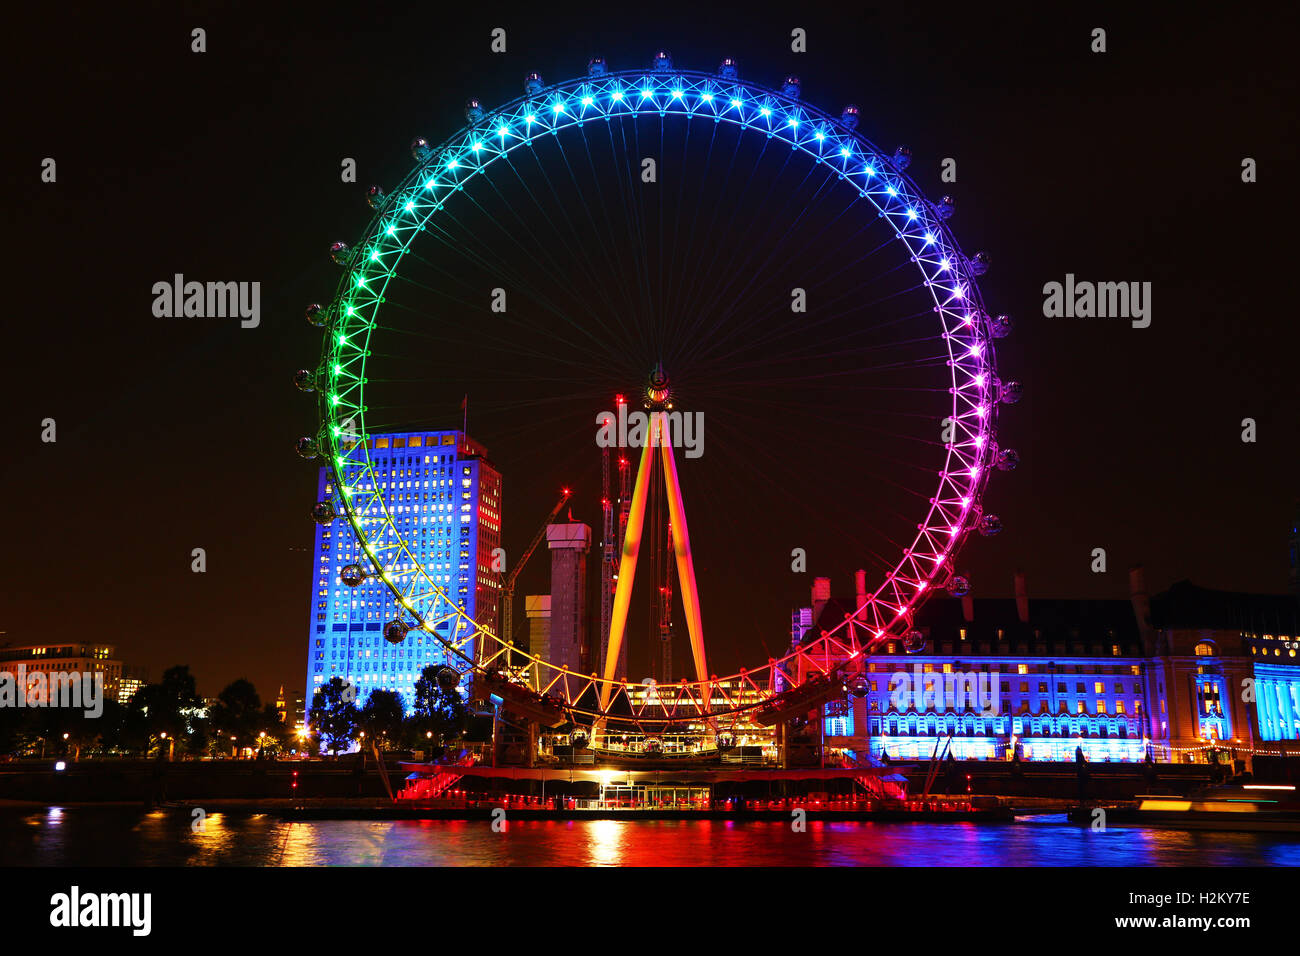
(1204, 649)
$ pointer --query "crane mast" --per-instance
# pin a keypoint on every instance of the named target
(608, 557)
(615, 535)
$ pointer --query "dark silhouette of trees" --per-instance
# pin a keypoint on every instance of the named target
(333, 714)
(382, 716)
(440, 712)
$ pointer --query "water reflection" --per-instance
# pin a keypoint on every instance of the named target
(112, 836)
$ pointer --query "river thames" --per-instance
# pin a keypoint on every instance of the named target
(117, 836)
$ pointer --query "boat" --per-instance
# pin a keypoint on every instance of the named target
(1242, 807)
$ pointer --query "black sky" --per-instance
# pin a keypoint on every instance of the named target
(175, 434)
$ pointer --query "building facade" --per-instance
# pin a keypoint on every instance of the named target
(445, 498)
(72, 657)
(1183, 674)
(569, 543)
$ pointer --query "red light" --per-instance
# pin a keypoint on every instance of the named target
(566, 492)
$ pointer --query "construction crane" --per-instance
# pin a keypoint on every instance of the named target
(508, 579)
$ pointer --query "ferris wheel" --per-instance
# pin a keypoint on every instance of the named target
(546, 191)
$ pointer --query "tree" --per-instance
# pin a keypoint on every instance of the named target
(439, 708)
(333, 714)
(238, 714)
(382, 715)
(171, 707)
(274, 734)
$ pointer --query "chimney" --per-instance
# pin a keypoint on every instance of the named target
(967, 607)
(821, 593)
(1137, 594)
(859, 593)
(1022, 598)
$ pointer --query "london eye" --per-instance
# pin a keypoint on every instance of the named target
(696, 241)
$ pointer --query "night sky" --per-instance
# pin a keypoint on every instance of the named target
(177, 433)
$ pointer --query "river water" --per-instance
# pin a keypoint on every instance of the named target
(107, 836)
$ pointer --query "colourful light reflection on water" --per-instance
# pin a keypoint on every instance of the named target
(114, 836)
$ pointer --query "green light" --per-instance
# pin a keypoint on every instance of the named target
(343, 339)
(334, 399)
(374, 256)
(338, 369)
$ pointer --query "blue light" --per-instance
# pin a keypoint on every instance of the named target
(476, 147)
(707, 97)
(587, 101)
(820, 136)
(530, 118)
(794, 122)
(869, 171)
(765, 111)
(844, 151)
(891, 190)
(558, 108)
(735, 103)
(929, 238)
(645, 93)
(677, 94)
(453, 164)
(616, 95)
(911, 214)
(502, 131)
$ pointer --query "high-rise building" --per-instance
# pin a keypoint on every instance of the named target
(569, 544)
(132, 679)
(537, 609)
(445, 499)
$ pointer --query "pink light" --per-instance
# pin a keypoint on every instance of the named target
(979, 441)
(979, 379)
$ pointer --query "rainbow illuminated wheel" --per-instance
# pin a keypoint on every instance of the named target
(790, 277)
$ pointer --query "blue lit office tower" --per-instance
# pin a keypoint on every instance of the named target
(445, 499)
